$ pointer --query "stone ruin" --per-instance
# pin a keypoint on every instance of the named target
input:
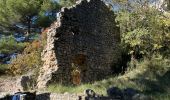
(85, 35)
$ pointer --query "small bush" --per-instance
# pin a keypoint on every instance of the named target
(30, 59)
(3, 69)
(44, 37)
(8, 45)
(157, 64)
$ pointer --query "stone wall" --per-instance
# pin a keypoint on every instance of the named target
(85, 35)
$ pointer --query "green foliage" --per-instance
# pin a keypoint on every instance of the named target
(4, 18)
(23, 8)
(144, 30)
(51, 7)
(8, 45)
(19, 10)
(156, 64)
(57, 88)
(45, 21)
(67, 3)
(30, 59)
(135, 39)
(34, 36)
(23, 11)
(3, 69)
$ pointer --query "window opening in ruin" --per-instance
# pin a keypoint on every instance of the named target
(79, 59)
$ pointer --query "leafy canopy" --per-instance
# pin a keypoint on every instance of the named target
(24, 11)
(144, 29)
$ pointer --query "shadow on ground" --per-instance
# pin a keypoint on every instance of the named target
(159, 85)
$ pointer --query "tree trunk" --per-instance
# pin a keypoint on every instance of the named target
(29, 25)
(28, 29)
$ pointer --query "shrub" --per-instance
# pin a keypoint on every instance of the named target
(3, 69)
(30, 59)
(44, 37)
(145, 33)
(156, 64)
(8, 45)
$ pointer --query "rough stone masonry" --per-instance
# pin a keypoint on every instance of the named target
(85, 35)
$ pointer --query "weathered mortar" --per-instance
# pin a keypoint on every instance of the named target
(85, 35)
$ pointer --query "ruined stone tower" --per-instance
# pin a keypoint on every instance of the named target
(85, 35)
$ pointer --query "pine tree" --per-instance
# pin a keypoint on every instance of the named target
(22, 11)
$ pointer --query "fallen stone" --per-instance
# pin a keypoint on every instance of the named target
(25, 83)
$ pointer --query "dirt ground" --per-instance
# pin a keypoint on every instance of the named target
(8, 84)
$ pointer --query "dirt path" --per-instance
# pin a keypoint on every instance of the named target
(8, 84)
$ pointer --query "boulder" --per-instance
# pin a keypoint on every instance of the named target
(25, 83)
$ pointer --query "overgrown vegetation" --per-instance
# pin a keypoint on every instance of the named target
(28, 60)
(144, 30)
(26, 12)
(3, 69)
(67, 3)
(9, 45)
(149, 76)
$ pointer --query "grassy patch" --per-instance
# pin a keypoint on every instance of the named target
(76, 89)
(3, 69)
(150, 77)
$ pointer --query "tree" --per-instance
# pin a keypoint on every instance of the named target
(144, 28)
(22, 11)
(5, 19)
(47, 14)
(67, 3)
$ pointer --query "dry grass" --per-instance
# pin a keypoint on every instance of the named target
(150, 77)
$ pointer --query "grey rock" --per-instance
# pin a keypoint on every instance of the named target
(25, 82)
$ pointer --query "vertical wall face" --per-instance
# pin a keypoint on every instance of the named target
(89, 38)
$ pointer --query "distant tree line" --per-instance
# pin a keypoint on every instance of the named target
(29, 13)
